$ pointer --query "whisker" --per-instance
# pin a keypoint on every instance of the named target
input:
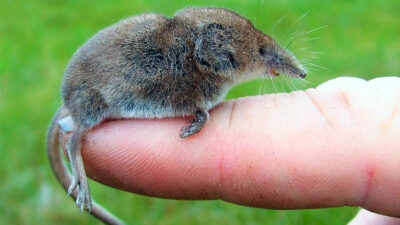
(274, 28)
(293, 38)
(304, 81)
(261, 85)
(315, 53)
(303, 33)
(258, 97)
(302, 16)
(318, 28)
(310, 68)
(308, 57)
(318, 66)
(293, 85)
(307, 81)
(296, 21)
(311, 39)
(304, 40)
(273, 84)
(285, 80)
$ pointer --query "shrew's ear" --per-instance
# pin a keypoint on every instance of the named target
(214, 51)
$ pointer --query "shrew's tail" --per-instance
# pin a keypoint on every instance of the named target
(62, 173)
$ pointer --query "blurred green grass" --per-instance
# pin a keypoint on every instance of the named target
(37, 38)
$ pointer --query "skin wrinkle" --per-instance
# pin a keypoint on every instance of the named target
(344, 99)
(225, 161)
(275, 100)
(232, 111)
(316, 105)
(230, 163)
(369, 173)
(387, 124)
(219, 187)
(367, 168)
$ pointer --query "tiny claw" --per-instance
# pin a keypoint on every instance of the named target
(186, 131)
(183, 135)
(72, 186)
(89, 208)
(83, 200)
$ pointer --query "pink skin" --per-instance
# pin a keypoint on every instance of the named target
(336, 145)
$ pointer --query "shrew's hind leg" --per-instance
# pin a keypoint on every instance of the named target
(74, 147)
(201, 117)
(91, 111)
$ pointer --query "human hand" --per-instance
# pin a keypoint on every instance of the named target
(336, 145)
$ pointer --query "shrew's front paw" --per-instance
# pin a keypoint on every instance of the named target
(196, 125)
(189, 130)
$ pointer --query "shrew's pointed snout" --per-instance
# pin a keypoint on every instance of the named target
(279, 61)
(303, 74)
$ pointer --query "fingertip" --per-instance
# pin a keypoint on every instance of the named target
(365, 217)
(342, 82)
(386, 82)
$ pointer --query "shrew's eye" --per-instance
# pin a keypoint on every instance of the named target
(262, 51)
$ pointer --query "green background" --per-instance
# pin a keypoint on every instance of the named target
(37, 38)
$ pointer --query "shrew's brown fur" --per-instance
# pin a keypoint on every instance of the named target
(151, 66)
